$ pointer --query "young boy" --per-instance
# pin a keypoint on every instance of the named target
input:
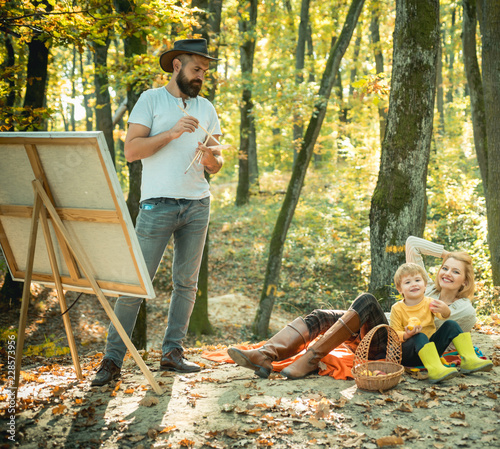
(422, 344)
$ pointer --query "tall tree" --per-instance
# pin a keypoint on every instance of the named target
(398, 207)
(248, 141)
(134, 43)
(271, 282)
(300, 58)
(440, 89)
(36, 78)
(489, 21)
(34, 98)
(89, 113)
(103, 114)
(475, 84)
(379, 61)
(209, 21)
(8, 69)
(11, 291)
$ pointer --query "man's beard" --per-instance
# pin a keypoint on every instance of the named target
(189, 88)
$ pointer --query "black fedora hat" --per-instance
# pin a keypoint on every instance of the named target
(189, 46)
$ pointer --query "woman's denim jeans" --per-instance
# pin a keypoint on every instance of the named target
(158, 220)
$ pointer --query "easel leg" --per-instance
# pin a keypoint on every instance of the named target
(82, 261)
(60, 293)
(26, 291)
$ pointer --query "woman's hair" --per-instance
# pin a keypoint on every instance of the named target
(409, 269)
(467, 291)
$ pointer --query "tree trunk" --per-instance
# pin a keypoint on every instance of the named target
(89, 114)
(475, 85)
(399, 201)
(379, 65)
(36, 79)
(35, 97)
(300, 58)
(440, 89)
(103, 114)
(209, 28)
(134, 43)
(490, 29)
(7, 102)
(72, 119)
(271, 282)
(248, 145)
(355, 58)
(451, 56)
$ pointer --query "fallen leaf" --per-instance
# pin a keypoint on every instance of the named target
(57, 391)
(149, 401)
(421, 404)
(458, 415)
(317, 423)
(405, 407)
(389, 441)
(59, 409)
(353, 442)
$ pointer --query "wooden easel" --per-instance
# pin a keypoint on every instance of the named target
(43, 205)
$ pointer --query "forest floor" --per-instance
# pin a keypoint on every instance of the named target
(226, 406)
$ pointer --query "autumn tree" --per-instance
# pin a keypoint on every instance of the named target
(489, 21)
(103, 112)
(209, 24)
(300, 58)
(248, 143)
(34, 101)
(379, 59)
(271, 282)
(398, 207)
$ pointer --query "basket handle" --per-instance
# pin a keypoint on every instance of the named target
(393, 348)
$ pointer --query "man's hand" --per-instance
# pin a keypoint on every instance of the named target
(186, 124)
(212, 157)
(139, 145)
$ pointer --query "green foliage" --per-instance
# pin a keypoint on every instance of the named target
(326, 261)
(50, 348)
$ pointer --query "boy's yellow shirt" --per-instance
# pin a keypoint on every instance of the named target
(401, 313)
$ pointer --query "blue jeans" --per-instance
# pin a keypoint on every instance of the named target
(441, 338)
(158, 220)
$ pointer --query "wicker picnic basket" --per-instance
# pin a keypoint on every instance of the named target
(391, 365)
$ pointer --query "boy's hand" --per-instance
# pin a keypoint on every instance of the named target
(410, 333)
(438, 306)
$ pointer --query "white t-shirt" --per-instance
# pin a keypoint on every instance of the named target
(163, 173)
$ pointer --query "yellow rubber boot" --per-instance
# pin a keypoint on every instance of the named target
(431, 360)
(470, 361)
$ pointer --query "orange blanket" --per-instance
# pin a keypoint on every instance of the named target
(338, 363)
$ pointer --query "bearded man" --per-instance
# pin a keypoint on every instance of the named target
(168, 129)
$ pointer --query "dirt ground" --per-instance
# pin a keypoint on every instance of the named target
(226, 406)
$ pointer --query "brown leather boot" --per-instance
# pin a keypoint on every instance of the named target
(289, 341)
(345, 328)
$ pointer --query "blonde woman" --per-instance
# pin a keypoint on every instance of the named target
(454, 283)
